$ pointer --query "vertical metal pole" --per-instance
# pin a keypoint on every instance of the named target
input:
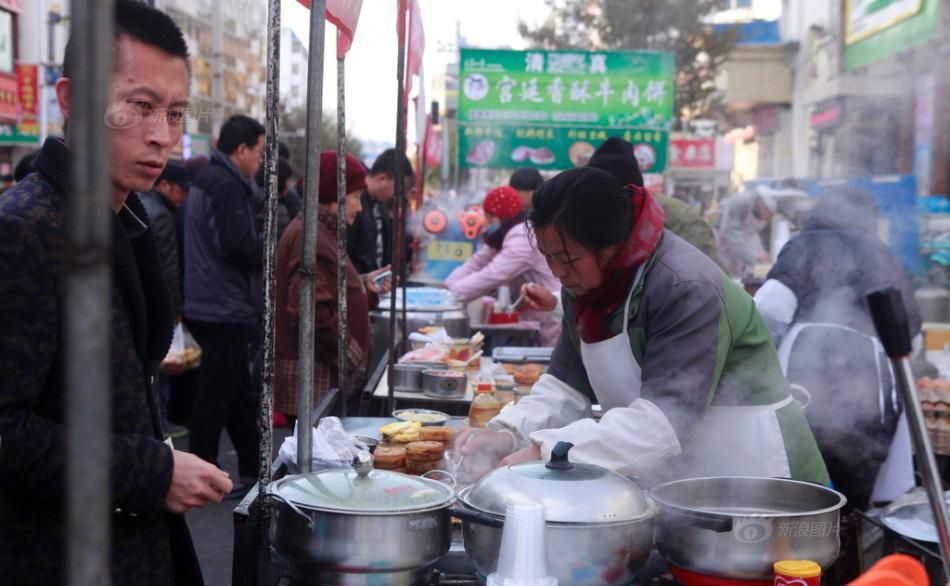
(308, 258)
(444, 170)
(400, 194)
(890, 321)
(88, 302)
(44, 31)
(341, 232)
(266, 421)
(217, 68)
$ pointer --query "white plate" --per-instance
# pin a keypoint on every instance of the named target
(910, 516)
(438, 417)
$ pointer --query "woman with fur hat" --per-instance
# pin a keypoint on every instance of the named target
(508, 258)
(362, 294)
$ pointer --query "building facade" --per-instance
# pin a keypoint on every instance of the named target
(872, 90)
(234, 84)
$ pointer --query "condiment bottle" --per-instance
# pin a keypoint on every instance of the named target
(504, 391)
(798, 572)
(484, 405)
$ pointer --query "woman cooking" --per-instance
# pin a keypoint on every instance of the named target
(506, 258)
(670, 347)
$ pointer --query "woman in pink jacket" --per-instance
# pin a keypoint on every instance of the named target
(507, 257)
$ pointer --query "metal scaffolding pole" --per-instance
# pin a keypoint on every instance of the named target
(88, 302)
(341, 231)
(308, 256)
(266, 420)
(398, 200)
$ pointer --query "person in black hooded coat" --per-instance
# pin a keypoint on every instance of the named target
(813, 302)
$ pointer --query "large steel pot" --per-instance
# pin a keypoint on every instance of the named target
(360, 526)
(598, 524)
(737, 527)
(425, 306)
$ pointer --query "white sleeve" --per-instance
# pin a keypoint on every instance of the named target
(557, 314)
(551, 404)
(628, 440)
(777, 305)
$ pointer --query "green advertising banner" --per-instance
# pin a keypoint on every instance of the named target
(556, 148)
(879, 29)
(549, 109)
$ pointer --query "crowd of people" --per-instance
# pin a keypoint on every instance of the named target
(629, 288)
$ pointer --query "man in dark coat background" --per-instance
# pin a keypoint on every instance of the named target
(370, 238)
(152, 485)
(160, 203)
(224, 293)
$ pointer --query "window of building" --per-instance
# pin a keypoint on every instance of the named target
(6, 41)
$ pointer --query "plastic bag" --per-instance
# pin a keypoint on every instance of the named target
(183, 354)
(333, 446)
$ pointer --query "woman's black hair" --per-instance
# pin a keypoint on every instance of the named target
(586, 204)
(496, 238)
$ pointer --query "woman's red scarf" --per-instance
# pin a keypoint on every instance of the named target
(594, 308)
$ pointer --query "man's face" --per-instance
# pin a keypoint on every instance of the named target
(380, 187)
(249, 159)
(148, 96)
(174, 193)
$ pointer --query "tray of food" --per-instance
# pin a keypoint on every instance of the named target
(521, 354)
(410, 448)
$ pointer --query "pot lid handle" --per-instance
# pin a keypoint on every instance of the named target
(363, 464)
(559, 459)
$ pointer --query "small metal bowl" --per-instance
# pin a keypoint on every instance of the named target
(371, 442)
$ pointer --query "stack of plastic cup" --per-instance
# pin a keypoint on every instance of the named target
(522, 560)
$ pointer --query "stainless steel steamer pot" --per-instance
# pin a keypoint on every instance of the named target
(598, 524)
(360, 526)
(737, 527)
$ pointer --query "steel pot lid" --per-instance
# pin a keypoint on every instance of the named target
(570, 493)
(363, 490)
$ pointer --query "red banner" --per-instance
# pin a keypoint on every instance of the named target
(12, 5)
(417, 40)
(432, 145)
(28, 94)
(344, 15)
(693, 153)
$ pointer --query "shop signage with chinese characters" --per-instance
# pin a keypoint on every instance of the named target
(28, 92)
(693, 153)
(550, 109)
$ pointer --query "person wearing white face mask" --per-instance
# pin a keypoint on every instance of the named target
(507, 258)
(657, 334)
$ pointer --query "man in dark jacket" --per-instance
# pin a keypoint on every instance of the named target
(160, 203)
(151, 484)
(370, 238)
(224, 256)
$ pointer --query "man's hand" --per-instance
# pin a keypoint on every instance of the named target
(538, 297)
(378, 286)
(195, 483)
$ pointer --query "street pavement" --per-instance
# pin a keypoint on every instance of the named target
(212, 528)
